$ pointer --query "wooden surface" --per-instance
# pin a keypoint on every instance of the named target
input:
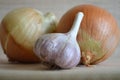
(107, 70)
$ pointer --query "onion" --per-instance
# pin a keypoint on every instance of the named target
(98, 35)
(19, 31)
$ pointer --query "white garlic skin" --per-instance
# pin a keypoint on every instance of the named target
(60, 49)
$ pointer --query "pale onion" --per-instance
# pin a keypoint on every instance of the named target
(98, 35)
(20, 29)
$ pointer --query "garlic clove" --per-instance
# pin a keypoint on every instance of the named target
(70, 54)
(60, 49)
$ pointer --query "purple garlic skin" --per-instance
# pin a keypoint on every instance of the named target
(57, 48)
(61, 49)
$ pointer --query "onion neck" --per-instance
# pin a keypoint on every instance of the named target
(49, 23)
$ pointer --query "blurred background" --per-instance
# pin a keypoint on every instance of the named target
(59, 7)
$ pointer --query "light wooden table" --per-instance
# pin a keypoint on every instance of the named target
(107, 70)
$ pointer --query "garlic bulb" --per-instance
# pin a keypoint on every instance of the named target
(60, 49)
(98, 35)
(20, 29)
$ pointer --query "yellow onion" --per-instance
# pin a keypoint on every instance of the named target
(20, 29)
(98, 34)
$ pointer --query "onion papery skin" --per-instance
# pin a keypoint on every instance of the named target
(98, 35)
(20, 29)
